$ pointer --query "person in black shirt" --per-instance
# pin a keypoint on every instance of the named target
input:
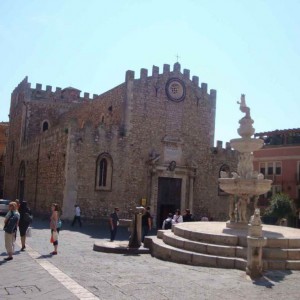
(146, 222)
(188, 217)
(113, 224)
(25, 220)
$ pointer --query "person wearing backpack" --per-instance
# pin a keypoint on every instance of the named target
(167, 224)
(10, 227)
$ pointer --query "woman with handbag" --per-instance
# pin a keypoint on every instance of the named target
(10, 227)
(25, 221)
(54, 228)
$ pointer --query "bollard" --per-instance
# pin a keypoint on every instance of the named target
(135, 239)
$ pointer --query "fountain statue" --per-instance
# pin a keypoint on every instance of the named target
(245, 183)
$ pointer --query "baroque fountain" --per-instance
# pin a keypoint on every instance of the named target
(239, 243)
(245, 183)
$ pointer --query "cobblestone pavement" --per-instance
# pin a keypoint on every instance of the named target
(78, 272)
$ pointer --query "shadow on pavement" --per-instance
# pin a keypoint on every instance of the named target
(277, 276)
(44, 256)
(270, 277)
(96, 231)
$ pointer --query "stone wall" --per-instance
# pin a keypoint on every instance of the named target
(141, 129)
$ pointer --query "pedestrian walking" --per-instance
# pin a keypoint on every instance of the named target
(146, 222)
(113, 224)
(11, 222)
(54, 219)
(25, 220)
(77, 216)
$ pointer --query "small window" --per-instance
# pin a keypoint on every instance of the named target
(270, 168)
(104, 172)
(262, 170)
(45, 126)
(278, 168)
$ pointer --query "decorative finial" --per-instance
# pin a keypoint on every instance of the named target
(243, 107)
(177, 57)
(246, 129)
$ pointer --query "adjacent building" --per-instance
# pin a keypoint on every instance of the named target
(149, 140)
(279, 160)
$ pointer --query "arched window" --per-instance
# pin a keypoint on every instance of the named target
(45, 126)
(104, 172)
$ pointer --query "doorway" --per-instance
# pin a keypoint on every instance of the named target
(169, 197)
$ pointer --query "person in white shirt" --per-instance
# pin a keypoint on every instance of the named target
(77, 216)
(177, 218)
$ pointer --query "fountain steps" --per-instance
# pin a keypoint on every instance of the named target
(164, 251)
(212, 238)
(171, 239)
(188, 245)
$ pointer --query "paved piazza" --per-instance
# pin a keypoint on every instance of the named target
(78, 272)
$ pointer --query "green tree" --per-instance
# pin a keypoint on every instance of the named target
(281, 206)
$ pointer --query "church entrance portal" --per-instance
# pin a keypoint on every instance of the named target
(169, 197)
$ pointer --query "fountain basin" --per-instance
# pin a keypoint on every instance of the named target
(246, 145)
(241, 186)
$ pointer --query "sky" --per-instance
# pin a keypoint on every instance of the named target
(250, 47)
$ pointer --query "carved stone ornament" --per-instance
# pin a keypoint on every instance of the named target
(175, 89)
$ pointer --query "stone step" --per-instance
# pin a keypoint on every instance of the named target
(220, 239)
(281, 264)
(284, 243)
(202, 247)
(212, 244)
(281, 254)
(229, 251)
(286, 239)
(170, 253)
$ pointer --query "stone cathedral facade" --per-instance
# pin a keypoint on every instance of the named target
(148, 141)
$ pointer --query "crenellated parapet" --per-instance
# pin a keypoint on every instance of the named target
(167, 72)
(24, 92)
(219, 150)
(58, 94)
